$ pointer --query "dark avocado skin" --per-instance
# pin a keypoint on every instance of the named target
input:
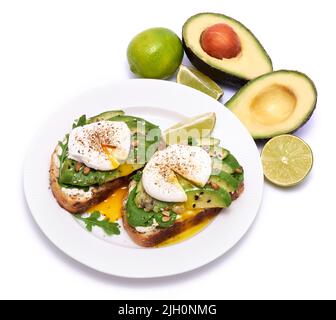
(213, 73)
(302, 123)
(313, 108)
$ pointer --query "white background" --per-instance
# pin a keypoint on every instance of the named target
(51, 51)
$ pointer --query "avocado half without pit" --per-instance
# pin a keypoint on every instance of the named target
(276, 103)
(224, 49)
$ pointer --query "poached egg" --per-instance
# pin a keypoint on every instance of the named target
(102, 145)
(159, 175)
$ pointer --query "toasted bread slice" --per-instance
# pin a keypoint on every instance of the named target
(156, 236)
(76, 200)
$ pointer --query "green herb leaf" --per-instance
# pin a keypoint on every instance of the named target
(110, 228)
(80, 122)
(165, 224)
(192, 141)
(137, 177)
(64, 147)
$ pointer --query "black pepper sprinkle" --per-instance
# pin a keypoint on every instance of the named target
(202, 193)
(209, 201)
(196, 197)
(194, 205)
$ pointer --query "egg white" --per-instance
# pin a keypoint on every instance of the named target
(159, 175)
(86, 144)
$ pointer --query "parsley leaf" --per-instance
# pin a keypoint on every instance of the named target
(110, 228)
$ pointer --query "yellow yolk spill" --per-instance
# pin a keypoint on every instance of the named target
(111, 208)
(187, 234)
(108, 151)
(189, 213)
(125, 169)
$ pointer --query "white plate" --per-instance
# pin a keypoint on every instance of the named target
(163, 103)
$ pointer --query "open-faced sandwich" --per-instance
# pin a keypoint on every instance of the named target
(98, 156)
(99, 173)
(179, 188)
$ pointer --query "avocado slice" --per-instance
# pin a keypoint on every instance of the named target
(206, 198)
(107, 115)
(251, 62)
(217, 152)
(225, 181)
(276, 103)
(229, 165)
(70, 177)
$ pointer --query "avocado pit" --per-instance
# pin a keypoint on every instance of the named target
(220, 41)
(273, 105)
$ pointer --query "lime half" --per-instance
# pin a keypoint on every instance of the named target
(286, 160)
(193, 78)
(197, 128)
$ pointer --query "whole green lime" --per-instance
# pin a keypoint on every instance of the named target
(155, 53)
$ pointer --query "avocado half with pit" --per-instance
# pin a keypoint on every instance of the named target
(224, 49)
(276, 103)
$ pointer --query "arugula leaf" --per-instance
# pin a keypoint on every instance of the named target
(64, 146)
(137, 176)
(165, 224)
(79, 122)
(110, 228)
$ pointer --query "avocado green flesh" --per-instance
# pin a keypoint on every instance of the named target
(225, 181)
(218, 152)
(207, 198)
(229, 165)
(231, 162)
(252, 62)
(68, 176)
(276, 103)
(107, 115)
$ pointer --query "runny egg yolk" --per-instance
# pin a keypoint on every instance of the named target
(187, 234)
(111, 208)
(185, 213)
(125, 169)
(108, 150)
